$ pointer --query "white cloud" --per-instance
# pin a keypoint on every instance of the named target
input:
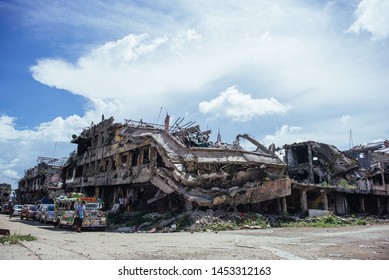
(278, 45)
(138, 71)
(345, 119)
(285, 135)
(178, 54)
(372, 16)
(10, 174)
(241, 107)
(19, 148)
(8, 131)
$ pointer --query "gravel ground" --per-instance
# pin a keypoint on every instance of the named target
(337, 243)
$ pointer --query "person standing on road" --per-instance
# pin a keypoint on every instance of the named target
(80, 215)
(11, 209)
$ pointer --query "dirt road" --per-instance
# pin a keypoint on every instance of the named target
(353, 242)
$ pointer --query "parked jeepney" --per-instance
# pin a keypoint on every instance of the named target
(65, 211)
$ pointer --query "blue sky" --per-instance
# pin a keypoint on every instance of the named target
(282, 71)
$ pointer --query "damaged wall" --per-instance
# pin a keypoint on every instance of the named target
(179, 161)
(41, 181)
(344, 186)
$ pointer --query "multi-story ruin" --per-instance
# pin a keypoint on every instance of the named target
(176, 166)
(328, 179)
(5, 192)
(374, 159)
(41, 181)
(171, 167)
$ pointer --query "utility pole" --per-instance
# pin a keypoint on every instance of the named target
(351, 144)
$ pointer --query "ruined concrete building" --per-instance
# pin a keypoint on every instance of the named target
(177, 167)
(172, 167)
(374, 158)
(5, 191)
(328, 179)
(41, 181)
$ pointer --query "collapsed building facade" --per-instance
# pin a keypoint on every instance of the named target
(325, 178)
(41, 181)
(161, 167)
(172, 167)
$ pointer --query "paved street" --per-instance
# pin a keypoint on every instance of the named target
(354, 242)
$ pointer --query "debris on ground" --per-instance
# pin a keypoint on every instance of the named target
(218, 220)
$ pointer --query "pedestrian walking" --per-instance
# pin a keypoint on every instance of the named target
(80, 214)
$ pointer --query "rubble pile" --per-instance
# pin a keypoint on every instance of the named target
(218, 220)
(193, 221)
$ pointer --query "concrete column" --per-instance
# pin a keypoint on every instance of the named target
(303, 200)
(340, 204)
(362, 203)
(279, 206)
(379, 205)
(324, 200)
(97, 192)
(285, 206)
(116, 195)
(387, 206)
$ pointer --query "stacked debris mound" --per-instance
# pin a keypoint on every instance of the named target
(193, 221)
(218, 220)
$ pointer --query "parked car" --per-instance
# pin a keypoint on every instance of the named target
(47, 213)
(5, 209)
(28, 211)
(17, 209)
(39, 212)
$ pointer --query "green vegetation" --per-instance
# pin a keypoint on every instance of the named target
(325, 221)
(344, 184)
(183, 222)
(146, 221)
(16, 238)
(254, 220)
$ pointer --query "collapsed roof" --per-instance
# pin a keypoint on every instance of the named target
(181, 160)
(209, 175)
(313, 162)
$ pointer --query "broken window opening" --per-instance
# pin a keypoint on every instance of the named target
(317, 179)
(160, 162)
(113, 163)
(83, 147)
(79, 171)
(124, 160)
(69, 173)
(134, 157)
(314, 200)
(301, 154)
(377, 180)
(302, 176)
(110, 139)
(146, 153)
(86, 169)
(95, 141)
